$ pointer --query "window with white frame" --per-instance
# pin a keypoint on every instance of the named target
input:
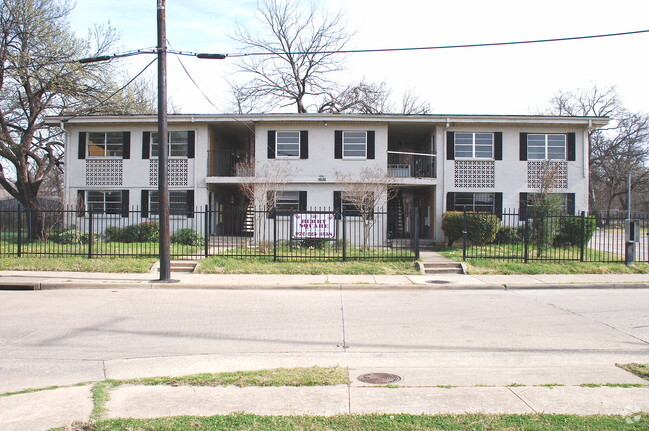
(178, 202)
(105, 144)
(476, 202)
(287, 144)
(561, 198)
(546, 146)
(354, 145)
(287, 202)
(104, 201)
(178, 144)
(472, 145)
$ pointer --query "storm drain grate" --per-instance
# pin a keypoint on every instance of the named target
(378, 378)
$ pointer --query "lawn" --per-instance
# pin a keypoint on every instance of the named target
(378, 422)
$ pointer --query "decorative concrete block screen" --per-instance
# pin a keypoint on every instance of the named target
(475, 173)
(103, 172)
(536, 170)
(178, 172)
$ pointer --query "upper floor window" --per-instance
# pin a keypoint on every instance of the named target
(105, 144)
(104, 202)
(287, 144)
(178, 144)
(546, 146)
(354, 145)
(474, 145)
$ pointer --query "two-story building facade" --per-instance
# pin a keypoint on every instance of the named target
(435, 162)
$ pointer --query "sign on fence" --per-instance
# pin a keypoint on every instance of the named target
(314, 225)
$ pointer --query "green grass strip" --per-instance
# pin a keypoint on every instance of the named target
(100, 396)
(640, 370)
(312, 376)
(396, 422)
(47, 388)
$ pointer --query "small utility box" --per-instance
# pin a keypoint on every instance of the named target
(632, 236)
(632, 230)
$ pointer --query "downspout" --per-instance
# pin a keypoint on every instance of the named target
(66, 173)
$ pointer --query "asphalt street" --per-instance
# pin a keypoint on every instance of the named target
(67, 336)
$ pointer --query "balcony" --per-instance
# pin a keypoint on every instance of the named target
(230, 164)
(411, 165)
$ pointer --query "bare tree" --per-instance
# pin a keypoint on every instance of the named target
(303, 41)
(362, 97)
(365, 192)
(39, 76)
(265, 182)
(615, 151)
(412, 103)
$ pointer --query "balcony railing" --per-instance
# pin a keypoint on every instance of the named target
(411, 165)
(230, 164)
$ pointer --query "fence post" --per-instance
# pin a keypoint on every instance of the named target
(89, 234)
(526, 234)
(206, 221)
(342, 219)
(275, 238)
(464, 235)
(583, 236)
(415, 217)
(20, 232)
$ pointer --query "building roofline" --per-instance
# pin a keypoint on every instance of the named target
(443, 119)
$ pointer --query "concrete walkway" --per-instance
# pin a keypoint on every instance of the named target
(43, 280)
(476, 389)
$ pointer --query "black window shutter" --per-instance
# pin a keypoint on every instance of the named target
(370, 144)
(498, 145)
(523, 147)
(570, 203)
(338, 144)
(126, 145)
(302, 202)
(82, 145)
(522, 206)
(270, 211)
(191, 145)
(338, 204)
(271, 144)
(450, 201)
(190, 203)
(146, 144)
(304, 144)
(81, 203)
(450, 145)
(498, 205)
(572, 146)
(125, 203)
(144, 203)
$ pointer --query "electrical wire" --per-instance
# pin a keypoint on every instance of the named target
(423, 48)
(114, 93)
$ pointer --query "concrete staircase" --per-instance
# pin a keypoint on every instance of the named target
(187, 266)
(434, 263)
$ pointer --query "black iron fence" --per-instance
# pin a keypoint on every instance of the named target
(316, 234)
(587, 237)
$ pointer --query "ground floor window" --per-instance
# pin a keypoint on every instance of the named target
(476, 202)
(104, 201)
(178, 202)
(564, 201)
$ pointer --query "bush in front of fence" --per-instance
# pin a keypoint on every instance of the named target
(569, 231)
(187, 236)
(481, 228)
(72, 236)
(143, 232)
(510, 235)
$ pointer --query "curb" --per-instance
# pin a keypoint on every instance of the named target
(44, 285)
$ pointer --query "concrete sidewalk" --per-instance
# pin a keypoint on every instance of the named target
(424, 389)
(45, 280)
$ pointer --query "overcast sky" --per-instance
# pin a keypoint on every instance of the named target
(497, 80)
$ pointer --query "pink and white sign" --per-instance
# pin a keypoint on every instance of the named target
(314, 225)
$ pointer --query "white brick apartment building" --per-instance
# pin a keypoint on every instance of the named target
(437, 162)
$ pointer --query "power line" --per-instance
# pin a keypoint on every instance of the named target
(423, 48)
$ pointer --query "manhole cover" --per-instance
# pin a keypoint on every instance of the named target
(378, 378)
(437, 281)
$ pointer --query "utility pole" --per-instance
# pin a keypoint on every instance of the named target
(163, 145)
